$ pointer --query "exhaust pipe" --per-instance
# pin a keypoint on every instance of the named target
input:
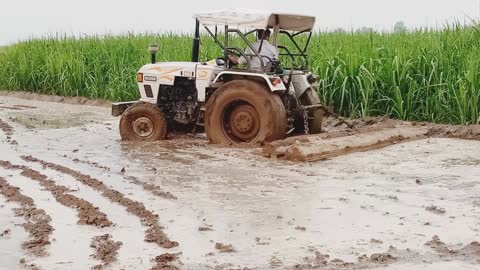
(153, 49)
(196, 43)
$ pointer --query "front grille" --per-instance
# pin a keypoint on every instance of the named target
(148, 91)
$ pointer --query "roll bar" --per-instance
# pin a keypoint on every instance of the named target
(302, 52)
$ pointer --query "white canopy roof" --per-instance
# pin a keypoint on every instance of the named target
(256, 20)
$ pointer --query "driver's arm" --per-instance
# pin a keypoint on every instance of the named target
(242, 60)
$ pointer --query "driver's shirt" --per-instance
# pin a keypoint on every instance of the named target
(268, 50)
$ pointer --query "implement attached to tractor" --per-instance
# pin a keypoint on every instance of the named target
(233, 103)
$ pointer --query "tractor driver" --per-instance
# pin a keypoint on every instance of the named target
(268, 53)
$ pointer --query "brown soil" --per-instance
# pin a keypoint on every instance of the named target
(154, 233)
(57, 99)
(152, 188)
(37, 221)
(470, 251)
(222, 248)
(87, 213)
(166, 261)
(106, 250)
(459, 132)
(322, 261)
(8, 130)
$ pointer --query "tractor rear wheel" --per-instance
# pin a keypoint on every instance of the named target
(310, 97)
(245, 111)
(143, 122)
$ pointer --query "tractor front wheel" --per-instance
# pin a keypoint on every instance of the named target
(143, 122)
(244, 111)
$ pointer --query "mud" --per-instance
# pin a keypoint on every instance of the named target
(57, 99)
(9, 131)
(223, 248)
(11, 108)
(106, 250)
(470, 251)
(458, 132)
(154, 232)
(323, 261)
(152, 188)
(87, 213)
(93, 164)
(350, 136)
(37, 220)
(166, 261)
(276, 213)
(435, 209)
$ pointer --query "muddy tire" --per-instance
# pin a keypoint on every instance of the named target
(143, 122)
(310, 97)
(244, 111)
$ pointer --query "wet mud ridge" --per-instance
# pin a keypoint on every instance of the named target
(167, 261)
(87, 213)
(323, 261)
(152, 188)
(37, 220)
(8, 130)
(469, 252)
(106, 250)
(360, 135)
(154, 232)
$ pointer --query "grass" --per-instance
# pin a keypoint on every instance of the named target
(421, 75)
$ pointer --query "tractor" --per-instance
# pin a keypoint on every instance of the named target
(232, 103)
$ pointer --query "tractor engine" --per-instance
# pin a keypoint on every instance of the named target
(179, 101)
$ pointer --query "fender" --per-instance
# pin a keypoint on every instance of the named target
(266, 78)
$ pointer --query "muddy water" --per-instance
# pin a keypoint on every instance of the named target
(275, 214)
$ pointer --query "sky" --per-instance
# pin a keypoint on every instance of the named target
(22, 19)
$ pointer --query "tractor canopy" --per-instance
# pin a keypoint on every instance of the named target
(257, 20)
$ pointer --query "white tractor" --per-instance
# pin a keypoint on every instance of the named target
(233, 103)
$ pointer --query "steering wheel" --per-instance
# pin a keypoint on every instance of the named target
(275, 64)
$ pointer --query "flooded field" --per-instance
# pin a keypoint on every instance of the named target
(73, 196)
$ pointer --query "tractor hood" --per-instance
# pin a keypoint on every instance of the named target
(169, 68)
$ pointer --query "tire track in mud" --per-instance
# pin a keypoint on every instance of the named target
(86, 212)
(106, 250)
(37, 220)
(152, 188)
(149, 187)
(154, 232)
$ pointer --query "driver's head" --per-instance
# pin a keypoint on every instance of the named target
(262, 33)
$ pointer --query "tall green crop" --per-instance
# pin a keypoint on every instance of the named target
(420, 75)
